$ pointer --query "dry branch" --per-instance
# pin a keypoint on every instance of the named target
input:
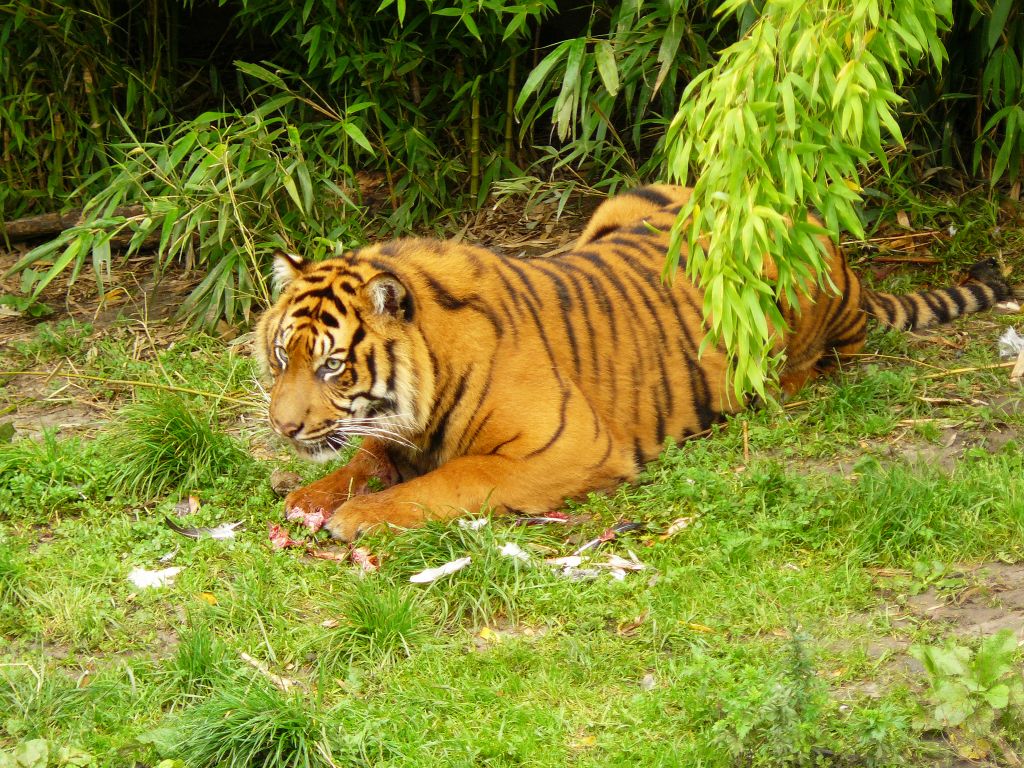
(48, 224)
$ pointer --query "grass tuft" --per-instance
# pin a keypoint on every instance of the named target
(200, 662)
(491, 586)
(12, 578)
(379, 623)
(166, 441)
(253, 725)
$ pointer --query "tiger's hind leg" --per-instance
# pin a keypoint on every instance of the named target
(837, 354)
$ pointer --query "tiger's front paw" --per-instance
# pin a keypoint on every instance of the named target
(351, 520)
(363, 513)
(312, 506)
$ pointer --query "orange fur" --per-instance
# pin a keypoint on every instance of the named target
(485, 380)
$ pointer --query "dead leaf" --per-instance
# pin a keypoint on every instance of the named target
(698, 627)
(969, 747)
(489, 635)
(903, 219)
(629, 628)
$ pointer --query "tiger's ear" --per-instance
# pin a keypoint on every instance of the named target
(388, 296)
(287, 266)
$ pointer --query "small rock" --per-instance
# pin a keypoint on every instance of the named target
(283, 482)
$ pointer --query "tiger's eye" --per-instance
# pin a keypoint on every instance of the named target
(333, 364)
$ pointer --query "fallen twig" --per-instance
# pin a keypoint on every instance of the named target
(1018, 369)
(134, 383)
(54, 223)
(973, 369)
(280, 682)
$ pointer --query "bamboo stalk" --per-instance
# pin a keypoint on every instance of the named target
(509, 106)
(474, 142)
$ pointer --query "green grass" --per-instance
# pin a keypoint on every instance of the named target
(168, 440)
(249, 724)
(772, 631)
(377, 623)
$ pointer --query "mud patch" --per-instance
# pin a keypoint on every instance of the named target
(991, 600)
(986, 599)
(947, 452)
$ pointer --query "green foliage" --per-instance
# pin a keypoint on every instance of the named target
(624, 73)
(211, 195)
(974, 690)
(776, 721)
(39, 753)
(25, 305)
(378, 622)
(200, 662)
(230, 160)
(971, 113)
(12, 578)
(249, 723)
(781, 124)
(167, 440)
(40, 476)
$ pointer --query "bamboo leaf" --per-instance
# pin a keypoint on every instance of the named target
(357, 136)
(605, 55)
(289, 184)
(669, 46)
(997, 22)
(537, 75)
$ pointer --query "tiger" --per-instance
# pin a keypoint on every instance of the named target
(484, 381)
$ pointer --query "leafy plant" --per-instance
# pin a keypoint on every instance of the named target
(776, 720)
(25, 305)
(12, 575)
(780, 125)
(378, 622)
(252, 724)
(973, 692)
(45, 474)
(167, 440)
(40, 753)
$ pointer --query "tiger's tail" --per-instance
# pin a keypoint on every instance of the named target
(984, 287)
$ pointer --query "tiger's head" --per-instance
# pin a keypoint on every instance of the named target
(337, 345)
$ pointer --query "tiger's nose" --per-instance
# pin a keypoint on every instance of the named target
(287, 428)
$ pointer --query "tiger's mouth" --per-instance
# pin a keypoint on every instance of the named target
(377, 418)
(322, 449)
